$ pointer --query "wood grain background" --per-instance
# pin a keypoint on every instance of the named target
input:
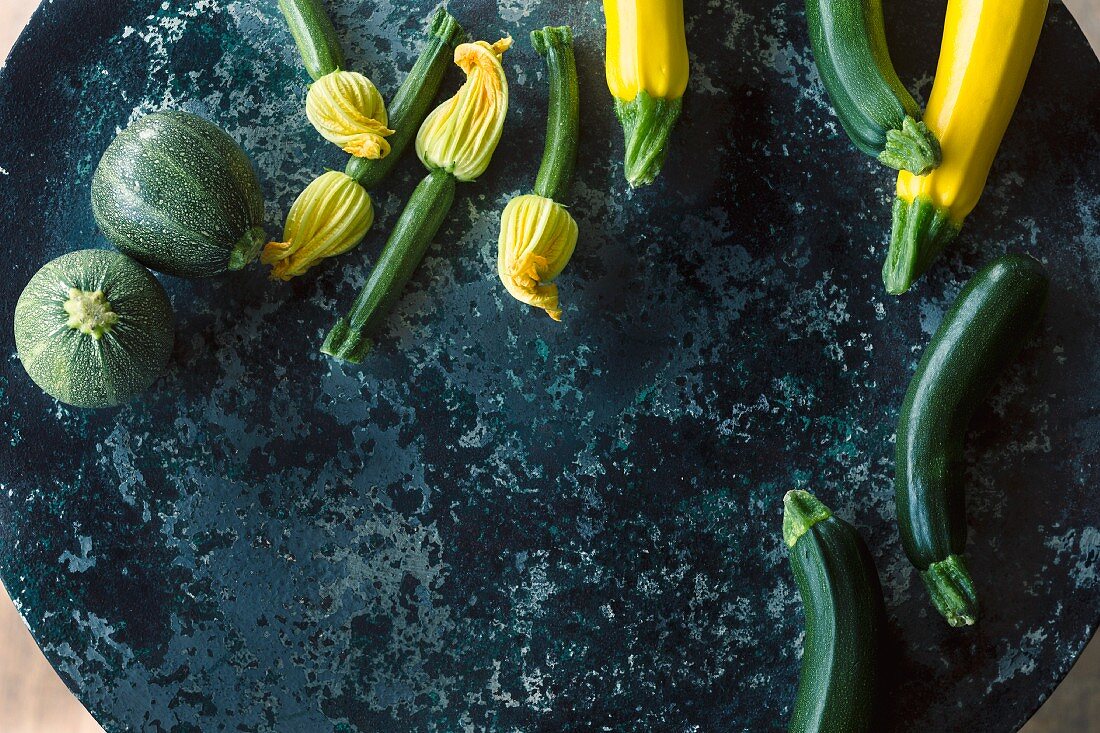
(34, 700)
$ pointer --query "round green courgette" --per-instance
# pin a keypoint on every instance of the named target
(93, 328)
(845, 614)
(979, 335)
(177, 194)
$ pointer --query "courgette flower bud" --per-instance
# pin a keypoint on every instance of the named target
(347, 110)
(537, 238)
(330, 217)
(461, 134)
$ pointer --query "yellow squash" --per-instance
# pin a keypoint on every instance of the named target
(985, 56)
(647, 73)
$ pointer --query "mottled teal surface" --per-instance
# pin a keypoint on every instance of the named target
(498, 522)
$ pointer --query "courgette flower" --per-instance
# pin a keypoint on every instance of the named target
(461, 134)
(330, 217)
(537, 238)
(347, 110)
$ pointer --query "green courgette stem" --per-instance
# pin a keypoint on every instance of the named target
(413, 100)
(918, 234)
(912, 148)
(559, 156)
(314, 35)
(952, 591)
(429, 204)
(90, 312)
(647, 124)
(801, 510)
(247, 248)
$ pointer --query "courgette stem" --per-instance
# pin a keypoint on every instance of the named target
(920, 231)
(413, 100)
(647, 125)
(429, 204)
(247, 248)
(559, 156)
(801, 510)
(952, 591)
(314, 35)
(913, 148)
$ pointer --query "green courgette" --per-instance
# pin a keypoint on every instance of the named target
(880, 116)
(413, 100)
(177, 194)
(314, 35)
(415, 229)
(93, 328)
(455, 143)
(979, 335)
(845, 614)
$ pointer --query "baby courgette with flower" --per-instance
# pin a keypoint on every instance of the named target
(537, 233)
(455, 143)
(979, 335)
(647, 73)
(845, 613)
(335, 212)
(874, 108)
(986, 53)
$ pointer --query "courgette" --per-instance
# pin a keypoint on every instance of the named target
(875, 109)
(845, 614)
(455, 143)
(979, 335)
(413, 100)
(314, 35)
(177, 194)
(93, 328)
(537, 233)
(984, 59)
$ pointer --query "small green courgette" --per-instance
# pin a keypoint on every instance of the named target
(983, 330)
(415, 229)
(315, 36)
(875, 109)
(840, 590)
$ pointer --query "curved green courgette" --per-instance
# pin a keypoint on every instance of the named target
(845, 613)
(415, 229)
(314, 35)
(983, 330)
(413, 100)
(875, 109)
(559, 156)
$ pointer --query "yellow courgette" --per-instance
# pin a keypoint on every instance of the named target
(986, 52)
(647, 73)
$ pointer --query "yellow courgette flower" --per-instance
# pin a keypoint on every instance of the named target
(537, 238)
(330, 217)
(461, 134)
(347, 110)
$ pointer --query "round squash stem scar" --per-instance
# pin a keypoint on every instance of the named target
(90, 312)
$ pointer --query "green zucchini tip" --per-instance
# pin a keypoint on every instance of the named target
(543, 39)
(347, 343)
(801, 510)
(952, 591)
(919, 232)
(247, 248)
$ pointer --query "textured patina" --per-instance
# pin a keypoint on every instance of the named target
(503, 523)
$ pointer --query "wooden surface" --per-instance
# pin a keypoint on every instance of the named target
(34, 700)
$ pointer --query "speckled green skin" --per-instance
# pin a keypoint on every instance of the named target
(503, 523)
(177, 194)
(103, 366)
